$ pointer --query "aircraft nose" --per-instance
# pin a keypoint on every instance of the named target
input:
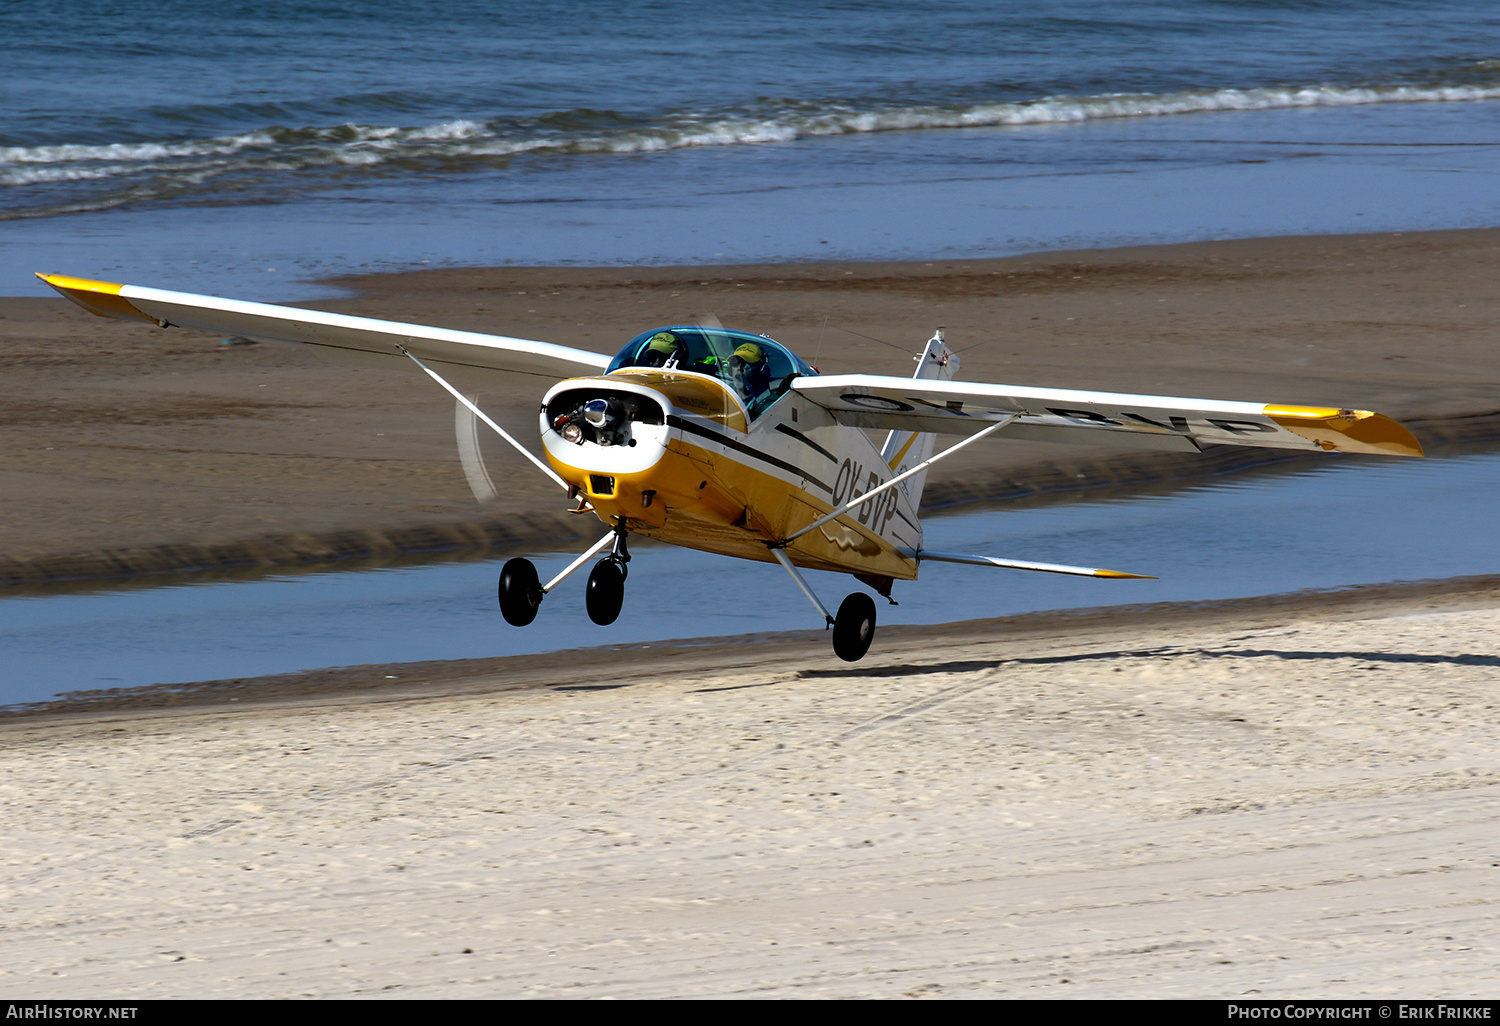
(606, 438)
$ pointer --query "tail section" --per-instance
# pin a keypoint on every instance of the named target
(905, 449)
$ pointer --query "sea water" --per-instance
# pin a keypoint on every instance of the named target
(247, 147)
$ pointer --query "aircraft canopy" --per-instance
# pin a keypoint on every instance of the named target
(757, 368)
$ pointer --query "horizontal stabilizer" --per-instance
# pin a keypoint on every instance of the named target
(1021, 564)
(335, 333)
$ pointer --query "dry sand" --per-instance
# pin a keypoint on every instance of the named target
(1279, 800)
(1289, 798)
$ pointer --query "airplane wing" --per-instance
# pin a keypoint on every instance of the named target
(1069, 415)
(366, 339)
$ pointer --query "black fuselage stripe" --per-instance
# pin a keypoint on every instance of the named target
(799, 436)
(710, 433)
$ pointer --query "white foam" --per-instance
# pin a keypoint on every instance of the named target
(160, 168)
(127, 152)
(1049, 110)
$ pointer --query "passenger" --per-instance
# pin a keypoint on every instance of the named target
(751, 371)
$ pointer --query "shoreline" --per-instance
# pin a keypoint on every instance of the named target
(140, 452)
(908, 647)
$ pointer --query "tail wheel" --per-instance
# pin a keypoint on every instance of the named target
(854, 627)
(606, 592)
(520, 592)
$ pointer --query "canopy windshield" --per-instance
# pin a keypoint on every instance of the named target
(758, 369)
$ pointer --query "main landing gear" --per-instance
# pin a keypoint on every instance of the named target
(606, 588)
(853, 628)
(521, 591)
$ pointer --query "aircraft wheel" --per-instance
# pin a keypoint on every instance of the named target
(854, 627)
(606, 592)
(520, 592)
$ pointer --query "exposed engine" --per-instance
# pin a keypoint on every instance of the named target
(604, 418)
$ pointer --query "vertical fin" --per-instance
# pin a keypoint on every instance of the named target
(905, 449)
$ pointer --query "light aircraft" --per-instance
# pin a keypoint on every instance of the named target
(728, 442)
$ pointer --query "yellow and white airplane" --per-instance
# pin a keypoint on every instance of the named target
(728, 442)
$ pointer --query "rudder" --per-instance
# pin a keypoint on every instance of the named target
(905, 449)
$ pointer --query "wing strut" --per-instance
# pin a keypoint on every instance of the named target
(867, 496)
(485, 417)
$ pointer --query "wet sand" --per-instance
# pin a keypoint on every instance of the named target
(132, 449)
(1273, 798)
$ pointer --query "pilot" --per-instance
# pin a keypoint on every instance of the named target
(661, 348)
(752, 370)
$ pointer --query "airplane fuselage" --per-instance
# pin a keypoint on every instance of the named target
(683, 460)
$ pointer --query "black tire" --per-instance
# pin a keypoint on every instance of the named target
(520, 592)
(606, 592)
(854, 627)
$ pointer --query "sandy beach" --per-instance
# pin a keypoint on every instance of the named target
(1265, 800)
(1276, 798)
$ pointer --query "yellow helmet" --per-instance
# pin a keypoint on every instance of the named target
(663, 342)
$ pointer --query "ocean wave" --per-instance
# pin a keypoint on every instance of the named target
(128, 153)
(146, 170)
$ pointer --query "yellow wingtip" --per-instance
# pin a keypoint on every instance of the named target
(1121, 575)
(1347, 430)
(63, 281)
(100, 298)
